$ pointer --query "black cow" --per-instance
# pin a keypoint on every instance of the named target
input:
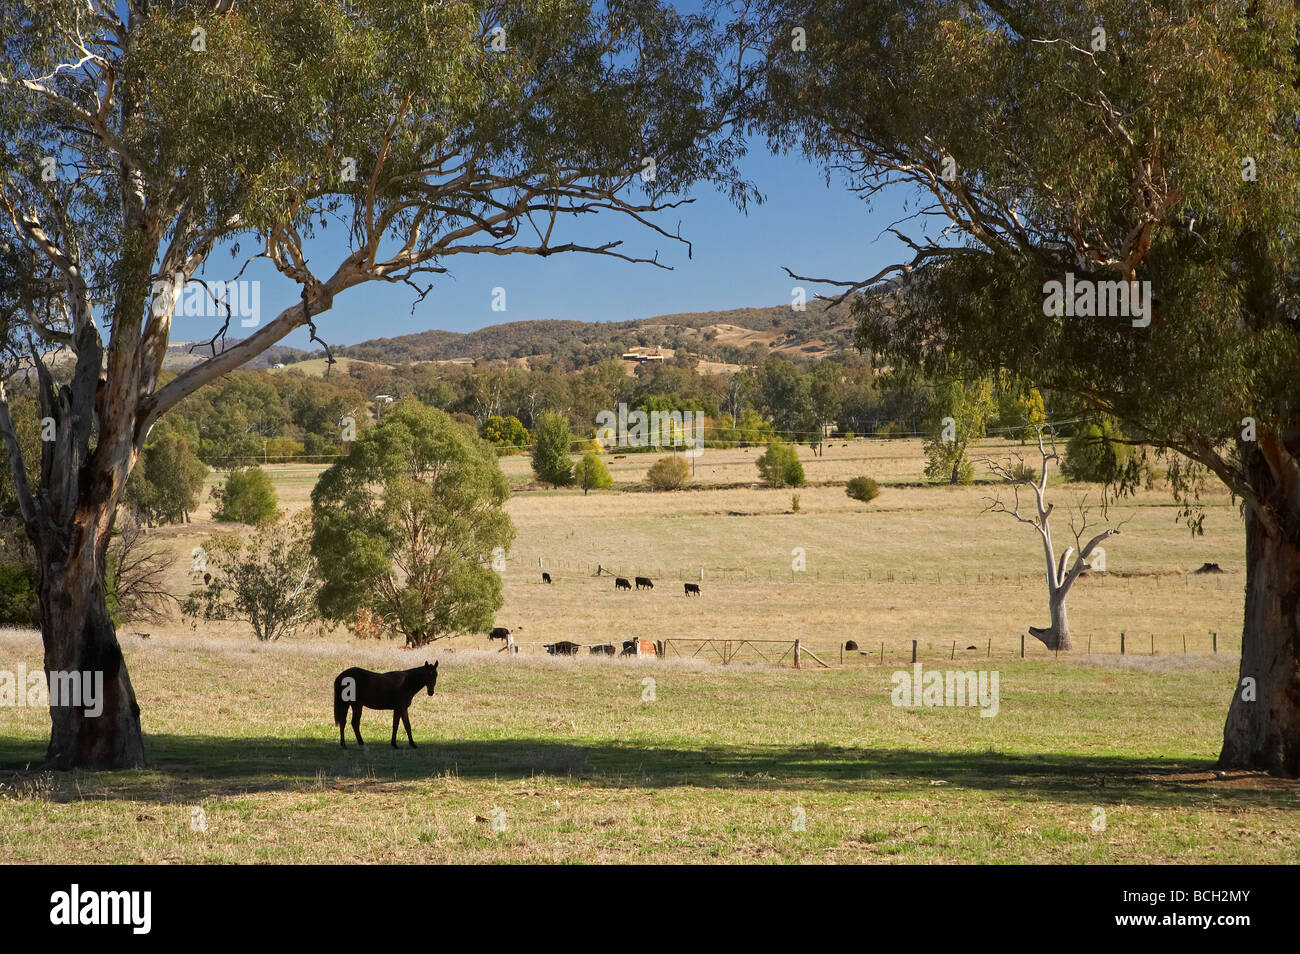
(563, 648)
(604, 649)
(850, 646)
(629, 647)
(499, 632)
(643, 583)
(546, 577)
(621, 584)
(692, 588)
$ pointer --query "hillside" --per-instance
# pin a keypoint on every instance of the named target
(722, 336)
(722, 339)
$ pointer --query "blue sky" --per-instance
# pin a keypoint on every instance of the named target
(737, 262)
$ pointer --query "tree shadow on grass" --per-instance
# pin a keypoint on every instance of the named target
(191, 768)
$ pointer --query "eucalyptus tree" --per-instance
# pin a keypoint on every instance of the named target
(151, 147)
(1101, 200)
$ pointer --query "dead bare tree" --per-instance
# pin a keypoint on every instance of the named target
(1061, 573)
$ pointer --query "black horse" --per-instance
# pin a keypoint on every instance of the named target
(357, 687)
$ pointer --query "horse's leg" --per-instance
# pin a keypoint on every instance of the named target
(356, 724)
(396, 716)
(406, 721)
(343, 728)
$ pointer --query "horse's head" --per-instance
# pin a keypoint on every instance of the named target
(430, 676)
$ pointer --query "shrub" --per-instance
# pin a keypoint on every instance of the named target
(794, 502)
(669, 473)
(863, 488)
(779, 465)
(248, 497)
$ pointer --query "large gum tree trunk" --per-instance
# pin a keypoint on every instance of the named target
(79, 638)
(1264, 733)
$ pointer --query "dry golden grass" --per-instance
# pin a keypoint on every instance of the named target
(919, 562)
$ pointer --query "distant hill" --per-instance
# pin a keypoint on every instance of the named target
(717, 335)
(732, 337)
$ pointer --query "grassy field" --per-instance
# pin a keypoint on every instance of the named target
(538, 759)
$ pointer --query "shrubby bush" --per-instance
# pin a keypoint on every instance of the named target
(669, 473)
(863, 488)
(779, 465)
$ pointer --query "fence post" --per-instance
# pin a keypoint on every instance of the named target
(1022, 645)
(990, 650)
(1153, 644)
(1184, 643)
(511, 648)
(1216, 642)
(1121, 644)
(796, 654)
(914, 650)
(882, 652)
(1089, 645)
(954, 650)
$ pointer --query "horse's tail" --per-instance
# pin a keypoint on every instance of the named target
(340, 707)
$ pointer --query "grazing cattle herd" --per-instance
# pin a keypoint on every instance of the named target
(631, 647)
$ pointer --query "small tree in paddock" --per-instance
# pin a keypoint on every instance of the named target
(959, 416)
(167, 481)
(551, 442)
(410, 526)
(590, 472)
(267, 580)
(247, 497)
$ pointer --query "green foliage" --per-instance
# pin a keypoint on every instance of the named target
(751, 430)
(551, 443)
(779, 465)
(862, 488)
(1097, 454)
(505, 432)
(669, 473)
(406, 526)
(269, 580)
(18, 602)
(959, 414)
(1020, 411)
(247, 497)
(591, 473)
(167, 480)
